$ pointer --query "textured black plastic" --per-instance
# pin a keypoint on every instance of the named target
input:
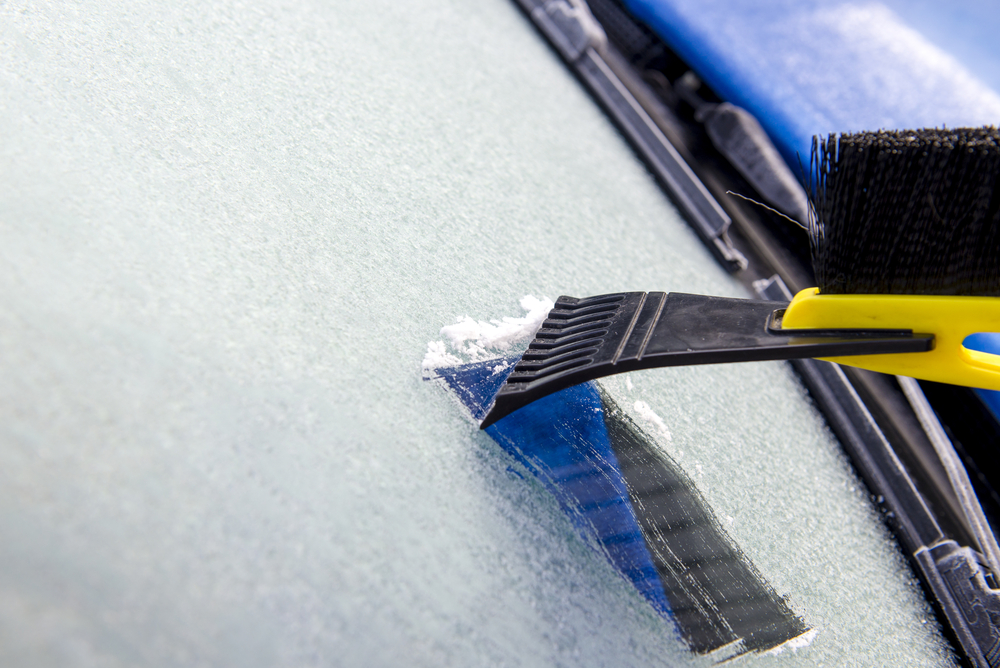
(584, 339)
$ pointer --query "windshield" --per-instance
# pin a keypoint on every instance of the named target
(229, 234)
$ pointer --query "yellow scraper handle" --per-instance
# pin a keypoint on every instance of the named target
(949, 319)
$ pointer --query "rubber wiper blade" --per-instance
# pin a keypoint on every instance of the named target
(594, 337)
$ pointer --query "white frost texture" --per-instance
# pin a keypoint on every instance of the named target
(228, 231)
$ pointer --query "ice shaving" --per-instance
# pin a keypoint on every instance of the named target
(469, 340)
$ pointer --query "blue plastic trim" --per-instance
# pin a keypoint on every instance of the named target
(987, 342)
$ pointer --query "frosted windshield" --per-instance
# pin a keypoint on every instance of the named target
(229, 233)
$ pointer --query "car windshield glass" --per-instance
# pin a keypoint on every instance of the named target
(229, 235)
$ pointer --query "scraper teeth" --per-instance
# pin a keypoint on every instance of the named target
(589, 311)
(569, 338)
(527, 373)
(573, 322)
(535, 358)
(549, 346)
(552, 333)
(572, 303)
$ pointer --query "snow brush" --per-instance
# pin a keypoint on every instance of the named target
(905, 240)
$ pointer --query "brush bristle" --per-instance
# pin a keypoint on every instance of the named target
(907, 212)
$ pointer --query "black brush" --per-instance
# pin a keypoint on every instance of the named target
(909, 212)
(905, 239)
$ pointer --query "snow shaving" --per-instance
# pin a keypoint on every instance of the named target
(469, 340)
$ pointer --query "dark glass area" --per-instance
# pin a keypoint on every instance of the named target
(716, 594)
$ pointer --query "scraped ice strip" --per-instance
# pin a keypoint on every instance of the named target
(640, 510)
